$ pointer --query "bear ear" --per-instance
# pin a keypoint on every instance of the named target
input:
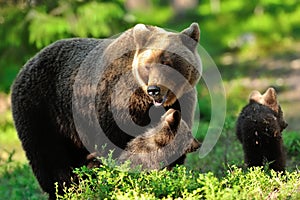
(140, 35)
(256, 97)
(173, 119)
(192, 32)
(270, 99)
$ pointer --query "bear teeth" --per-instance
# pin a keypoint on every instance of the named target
(157, 104)
(160, 102)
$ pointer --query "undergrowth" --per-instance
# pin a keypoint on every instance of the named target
(111, 181)
(17, 181)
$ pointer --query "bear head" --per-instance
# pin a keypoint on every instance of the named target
(175, 132)
(163, 144)
(269, 99)
(166, 65)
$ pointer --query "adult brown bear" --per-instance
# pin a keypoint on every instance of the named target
(77, 95)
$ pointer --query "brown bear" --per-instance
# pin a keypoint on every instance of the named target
(162, 145)
(259, 129)
(77, 95)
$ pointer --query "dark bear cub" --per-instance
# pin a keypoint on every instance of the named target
(162, 145)
(259, 128)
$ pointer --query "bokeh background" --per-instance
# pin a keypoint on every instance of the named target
(255, 44)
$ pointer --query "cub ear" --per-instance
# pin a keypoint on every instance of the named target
(173, 119)
(140, 35)
(256, 97)
(270, 99)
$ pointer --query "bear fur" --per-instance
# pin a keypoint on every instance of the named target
(77, 95)
(158, 147)
(259, 129)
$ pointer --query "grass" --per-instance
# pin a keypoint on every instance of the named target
(17, 181)
(9, 141)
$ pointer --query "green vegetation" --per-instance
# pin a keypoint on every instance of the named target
(254, 44)
(118, 182)
(17, 181)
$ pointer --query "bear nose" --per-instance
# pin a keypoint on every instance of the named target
(153, 90)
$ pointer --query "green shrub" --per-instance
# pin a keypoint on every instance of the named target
(119, 182)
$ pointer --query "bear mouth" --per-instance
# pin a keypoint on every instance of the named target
(160, 101)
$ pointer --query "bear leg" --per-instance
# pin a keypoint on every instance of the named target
(253, 155)
(51, 156)
(275, 155)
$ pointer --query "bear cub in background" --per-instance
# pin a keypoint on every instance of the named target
(162, 145)
(259, 129)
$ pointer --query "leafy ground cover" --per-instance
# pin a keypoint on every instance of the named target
(120, 183)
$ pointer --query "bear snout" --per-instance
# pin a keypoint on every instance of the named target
(158, 94)
(153, 90)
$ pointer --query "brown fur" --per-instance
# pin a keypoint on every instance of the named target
(161, 146)
(77, 94)
(157, 63)
(259, 129)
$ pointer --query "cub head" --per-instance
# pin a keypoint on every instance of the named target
(176, 133)
(269, 99)
(166, 65)
(161, 145)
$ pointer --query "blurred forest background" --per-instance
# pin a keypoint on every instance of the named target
(255, 44)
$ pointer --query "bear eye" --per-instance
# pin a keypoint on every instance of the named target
(165, 62)
(147, 67)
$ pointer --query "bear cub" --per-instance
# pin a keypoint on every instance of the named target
(162, 145)
(259, 129)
